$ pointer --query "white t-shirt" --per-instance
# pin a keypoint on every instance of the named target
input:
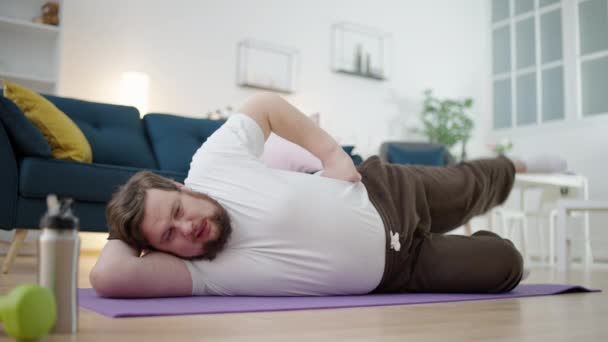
(294, 234)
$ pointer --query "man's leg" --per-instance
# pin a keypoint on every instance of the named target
(457, 193)
(482, 263)
(418, 204)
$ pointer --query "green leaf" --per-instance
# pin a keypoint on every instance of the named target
(446, 121)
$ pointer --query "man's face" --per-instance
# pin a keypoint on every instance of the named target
(184, 223)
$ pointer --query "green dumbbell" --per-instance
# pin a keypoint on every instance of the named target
(28, 312)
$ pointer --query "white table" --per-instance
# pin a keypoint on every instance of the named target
(565, 183)
(564, 207)
(561, 180)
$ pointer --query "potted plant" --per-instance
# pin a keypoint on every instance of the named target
(446, 121)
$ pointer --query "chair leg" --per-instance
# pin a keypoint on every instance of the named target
(509, 227)
(561, 239)
(468, 231)
(524, 240)
(588, 258)
(504, 226)
(18, 238)
(490, 216)
(552, 220)
(542, 244)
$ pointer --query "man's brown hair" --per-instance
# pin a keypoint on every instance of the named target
(125, 211)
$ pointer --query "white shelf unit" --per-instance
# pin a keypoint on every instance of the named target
(29, 53)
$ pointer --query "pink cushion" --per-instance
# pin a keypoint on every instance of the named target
(282, 154)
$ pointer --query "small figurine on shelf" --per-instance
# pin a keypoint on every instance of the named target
(49, 14)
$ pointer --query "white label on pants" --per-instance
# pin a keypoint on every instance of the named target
(395, 244)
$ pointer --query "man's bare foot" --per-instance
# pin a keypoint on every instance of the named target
(520, 166)
(540, 164)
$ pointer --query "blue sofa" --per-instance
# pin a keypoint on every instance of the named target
(416, 153)
(122, 145)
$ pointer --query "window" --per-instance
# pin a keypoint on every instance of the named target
(593, 56)
(528, 64)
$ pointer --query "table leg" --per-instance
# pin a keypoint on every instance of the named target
(588, 258)
(563, 261)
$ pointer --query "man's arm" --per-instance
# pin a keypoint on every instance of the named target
(120, 272)
(274, 114)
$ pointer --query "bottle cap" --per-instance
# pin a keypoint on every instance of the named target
(59, 214)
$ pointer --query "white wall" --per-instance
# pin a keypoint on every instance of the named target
(188, 47)
(189, 50)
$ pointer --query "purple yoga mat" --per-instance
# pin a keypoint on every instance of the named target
(211, 304)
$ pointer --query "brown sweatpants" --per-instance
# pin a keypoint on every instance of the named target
(419, 203)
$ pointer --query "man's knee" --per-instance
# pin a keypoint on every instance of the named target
(510, 267)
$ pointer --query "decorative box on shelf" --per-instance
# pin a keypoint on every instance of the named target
(360, 51)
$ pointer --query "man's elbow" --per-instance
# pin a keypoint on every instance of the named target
(109, 283)
(101, 282)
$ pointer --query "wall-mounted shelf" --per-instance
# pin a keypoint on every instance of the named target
(28, 25)
(29, 54)
(361, 74)
(26, 77)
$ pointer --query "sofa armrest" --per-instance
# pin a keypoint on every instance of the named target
(8, 181)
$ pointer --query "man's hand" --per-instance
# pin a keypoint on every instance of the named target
(339, 165)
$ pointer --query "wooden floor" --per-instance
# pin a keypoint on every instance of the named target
(571, 317)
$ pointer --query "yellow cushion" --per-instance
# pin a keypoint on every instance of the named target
(64, 137)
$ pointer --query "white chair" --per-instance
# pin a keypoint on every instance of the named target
(588, 253)
(564, 208)
(539, 195)
(504, 220)
(509, 218)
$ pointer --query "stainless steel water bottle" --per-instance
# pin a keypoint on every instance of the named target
(58, 261)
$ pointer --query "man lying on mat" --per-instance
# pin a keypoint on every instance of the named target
(238, 227)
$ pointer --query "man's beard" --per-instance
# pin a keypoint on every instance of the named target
(222, 222)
